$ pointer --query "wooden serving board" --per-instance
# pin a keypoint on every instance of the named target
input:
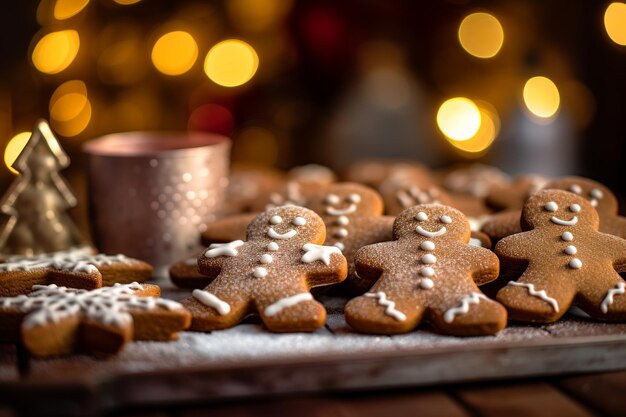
(249, 361)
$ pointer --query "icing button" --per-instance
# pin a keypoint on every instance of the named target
(427, 271)
(342, 220)
(427, 245)
(266, 258)
(429, 258)
(570, 250)
(341, 232)
(273, 246)
(575, 263)
(260, 272)
(567, 236)
(426, 283)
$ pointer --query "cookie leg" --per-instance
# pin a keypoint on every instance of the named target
(536, 299)
(215, 309)
(380, 313)
(49, 339)
(471, 314)
(606, 299)
(295, 311)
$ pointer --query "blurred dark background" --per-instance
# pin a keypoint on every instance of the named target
(326, 81)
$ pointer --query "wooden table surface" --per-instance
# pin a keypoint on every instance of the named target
(572, 396)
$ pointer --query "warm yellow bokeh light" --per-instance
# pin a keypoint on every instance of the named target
(258, 15)
(126, 2)
(175, 53)
(484, 137)
(70, 109)
(56, 51)
(481, 35)
(68, 87)
(615, 22)
(231, 63)
(64, 9)
(541, 97)
(458, 118)
(75, 125)
(14, 148)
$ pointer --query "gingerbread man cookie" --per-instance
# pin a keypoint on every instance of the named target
(507, 197)
(271, 273)
(73, 269)
(428, 272)
(353, 217)
(564, 259)
(54, 320)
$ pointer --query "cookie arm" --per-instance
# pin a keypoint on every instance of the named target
(323, 264)
(369, 262)
(616, 248)
(485, 264)
(513, 249)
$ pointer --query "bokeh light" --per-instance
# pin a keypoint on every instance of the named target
(459, 118)
(64, 9)
(615, 22)
(258, 15)
(56, 51)
(175, 53)
(126, 2)
(484, 137)
(541, 97)
(231, 63)
(70, 109)
(14, 148)
(481, 35)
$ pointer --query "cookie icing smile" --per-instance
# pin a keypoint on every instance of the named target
(341, 212)
(424, 232)
(562, 222)
(275, 235)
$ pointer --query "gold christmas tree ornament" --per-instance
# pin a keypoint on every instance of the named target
(33, 211)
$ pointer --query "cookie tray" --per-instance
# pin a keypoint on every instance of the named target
(248, 361)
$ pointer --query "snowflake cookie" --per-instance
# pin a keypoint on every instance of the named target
(56, 320)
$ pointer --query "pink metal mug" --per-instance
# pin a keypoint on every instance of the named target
(151, 193)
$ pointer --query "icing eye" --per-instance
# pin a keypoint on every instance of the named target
(276, 219)
(354, 198)
(595, 193)
(299, 221)
(421, 216)
(445, 219)
(551, 206)
(575, 188)
(575, 208)
(331, 199)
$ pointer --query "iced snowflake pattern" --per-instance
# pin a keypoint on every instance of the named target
(109, 306)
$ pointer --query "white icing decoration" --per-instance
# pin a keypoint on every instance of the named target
(575, 188)
(318, 253)
(540, 294)
(575, 208)
(619, 289)
(562, 222)
(341, 232)
(575, 263)
(341, 212)
(429, 258)
(331, 199)
(475, 242)
(276, 220)
(593, 202)
(343, 221)
(570, 250)
(354, 198)
(110, 306)
(427, 245)
(426, 233)
(259, 272)
(340, 246)
(211, 300)
(426, 283)
(427, 271)
(275, 235)
(273, 246)
(567, 236)
(463, 308)
(390, 309)
(445, 219)
(64, 261)
(421, 216)
(299, 221)
(191, 261)
(551, 206)
(595, 193)
(223, 249)
(266, 258)
(283, 303)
